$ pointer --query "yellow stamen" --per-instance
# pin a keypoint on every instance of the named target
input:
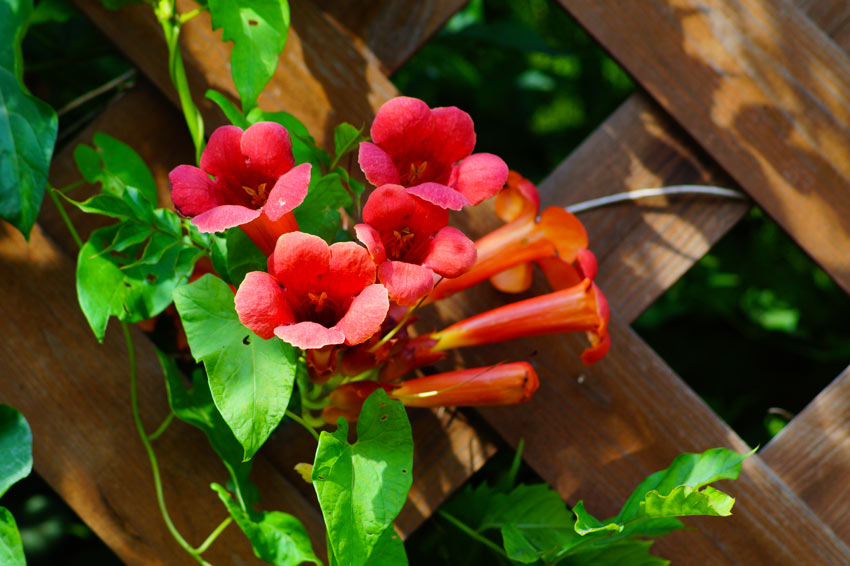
(318, 300)
(258, 195)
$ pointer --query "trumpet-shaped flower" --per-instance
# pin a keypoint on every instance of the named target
(504, 384)
(314, 295)
(581, 307)
(255, 183)
(410, 240)
(556, 234)
(429, 151)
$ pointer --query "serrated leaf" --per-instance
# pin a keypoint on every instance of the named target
(28, 126)
(116, 283)
(15, 447)
(195, 406)
(11, 547)
(116, 165)
(318, 213)
(278, 538)
(258, 29)
(346, 138)
(693, 470)
(250, 378)
(233, 114)
(685, 500)
(243, 256)
(362, 486)
(534, 522)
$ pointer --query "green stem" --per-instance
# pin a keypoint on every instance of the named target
(140, 428)
(189, 15)
(158, 432)
(303, 423)
(213, 535)
(170, 23)
(473, 534)
(53, 195)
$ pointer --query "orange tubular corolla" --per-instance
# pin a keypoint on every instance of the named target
(581, 307)
(556, 234)
(505, 384)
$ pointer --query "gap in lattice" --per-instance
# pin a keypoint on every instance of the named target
(755, 327)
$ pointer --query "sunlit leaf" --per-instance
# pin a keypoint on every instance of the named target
(15, 448)
(11, 547)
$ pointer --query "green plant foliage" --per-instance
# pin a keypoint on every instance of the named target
(11, 547)
(15, 447)
(537, 528)
(231, 112)
(347, 138)
(278, 538)
(27, 126)
(129, 270)
(363, 486)
(258, 29)
(195, 406)
(250, 378)
(318, 213)
(243, 256)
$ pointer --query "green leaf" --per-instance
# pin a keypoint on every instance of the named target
(250, 378)
(116, 166)
(15, 447)
(11, 547)
(133, 282)
(278, 538)
(626, 552)
(346, 138)
(534, 522)
(362, 486)
(685, 500)
(243, 256)
(258, 29)
(691, 470)
(233, 114)
(27, 126)
(318, 213)
(195, 406)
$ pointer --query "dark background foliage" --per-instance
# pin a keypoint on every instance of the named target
(754, 327)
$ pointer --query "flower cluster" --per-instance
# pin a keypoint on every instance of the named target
(350, 307)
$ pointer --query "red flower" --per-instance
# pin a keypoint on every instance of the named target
(410, 240)
(255, 183)
(314, 295)
(580, 307)
(428, 151)
(505, 384)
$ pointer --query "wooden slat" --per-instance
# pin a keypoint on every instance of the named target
(812, 455)
(762, 89)
(392, 30)
(75, 395)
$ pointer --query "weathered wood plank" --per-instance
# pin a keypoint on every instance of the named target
(812, 455)
(762, 89)
(392, 30)
(75, 394)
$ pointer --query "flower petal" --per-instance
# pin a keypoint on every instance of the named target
(450, 253)
(377, 165)
(288, 192)
(372, 240)
(513, 280)
(388, 207)
(350, 269)
(402, 123)
(365, 315)
(565, 231)
(309, 335)
(192, 191)
(479, 176)
(299, 260)
(261, 304)
(223, 157)
(221, 218)
(453, 136)
(441, 195)
(406, 282)
(268, 148)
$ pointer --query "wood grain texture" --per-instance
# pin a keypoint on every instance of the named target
(762, 89)
(392, 30)
(812, 455)
(75, 394)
